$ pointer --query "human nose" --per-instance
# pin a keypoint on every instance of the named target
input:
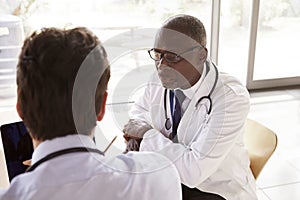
(162, 63)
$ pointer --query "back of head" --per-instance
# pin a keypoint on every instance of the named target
(188, 25)
(46, 73)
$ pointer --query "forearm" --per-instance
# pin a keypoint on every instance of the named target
(192, 163)
(198, 159)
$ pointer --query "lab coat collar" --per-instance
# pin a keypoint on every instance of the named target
(205, 83)
(203, 90)
(56, 144)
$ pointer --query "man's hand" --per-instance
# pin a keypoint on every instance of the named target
(27, 162)
(132, 145)
(134, 131)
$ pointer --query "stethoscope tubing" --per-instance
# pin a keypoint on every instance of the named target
(60, 153)
(168, 121)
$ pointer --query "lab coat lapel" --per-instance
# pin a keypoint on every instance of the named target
(189, 123)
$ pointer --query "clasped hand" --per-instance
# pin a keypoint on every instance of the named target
(134, 132)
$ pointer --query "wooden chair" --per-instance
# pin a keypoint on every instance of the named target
(261, 142)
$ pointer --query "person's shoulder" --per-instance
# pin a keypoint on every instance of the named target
(233, 84)
(143, 162)
(145, 156)
(143, 175)
(20, 186)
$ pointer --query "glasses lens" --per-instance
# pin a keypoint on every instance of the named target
(155, 55)
(171, 57)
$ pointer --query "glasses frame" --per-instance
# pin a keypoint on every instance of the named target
(177, 56)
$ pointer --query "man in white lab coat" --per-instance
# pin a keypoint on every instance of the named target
(62, 79)
(206, 141)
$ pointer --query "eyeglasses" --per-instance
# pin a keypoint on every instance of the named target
(169, 56)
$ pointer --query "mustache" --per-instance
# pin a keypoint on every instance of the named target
(171, 78)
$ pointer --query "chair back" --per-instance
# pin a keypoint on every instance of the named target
(261, 143)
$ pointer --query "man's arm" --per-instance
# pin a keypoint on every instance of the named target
(197, 161)
(139, 122)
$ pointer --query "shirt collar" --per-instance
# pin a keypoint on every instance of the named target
(189, 92)
(56, 144)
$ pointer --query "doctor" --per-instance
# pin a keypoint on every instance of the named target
(194, 115)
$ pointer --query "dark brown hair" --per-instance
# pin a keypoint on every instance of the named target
(46, 73)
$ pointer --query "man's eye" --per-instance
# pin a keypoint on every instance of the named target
(170, 56)
(157, 55)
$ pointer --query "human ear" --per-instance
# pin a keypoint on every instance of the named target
(18, 107)
(203, 54)
(102, 107)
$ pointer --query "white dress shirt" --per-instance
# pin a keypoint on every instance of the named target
(86, 175)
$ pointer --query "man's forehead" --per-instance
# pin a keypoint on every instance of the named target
(174, 41)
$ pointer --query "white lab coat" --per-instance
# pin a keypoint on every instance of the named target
(210, 154)
(91, 176)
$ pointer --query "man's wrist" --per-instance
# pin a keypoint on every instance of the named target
(127, 137)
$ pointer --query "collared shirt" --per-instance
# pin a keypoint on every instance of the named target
(85, 175)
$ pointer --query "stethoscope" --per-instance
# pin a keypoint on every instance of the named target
(60, 153)
(168, 124)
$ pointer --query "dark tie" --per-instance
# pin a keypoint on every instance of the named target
(179, 98)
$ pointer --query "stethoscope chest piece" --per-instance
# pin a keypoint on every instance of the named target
(168, 124)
